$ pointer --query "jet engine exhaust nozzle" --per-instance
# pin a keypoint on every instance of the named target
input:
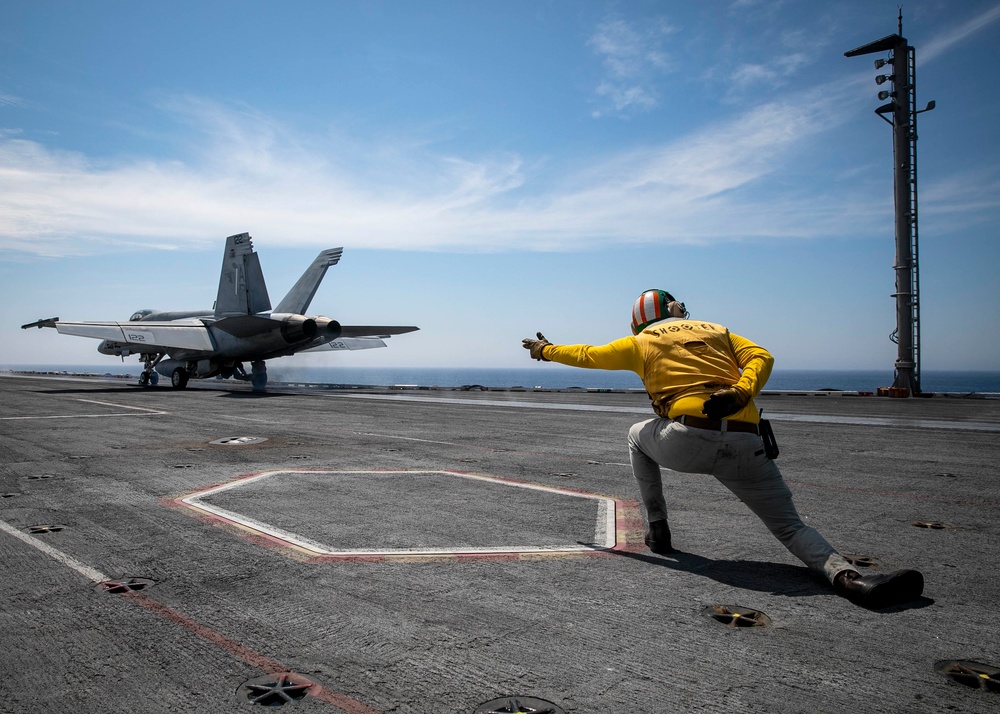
(298, 328)
(328, 328)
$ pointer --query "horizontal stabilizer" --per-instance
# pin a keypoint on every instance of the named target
(180, 334)
(349, 343)
(44, 322)
(299, 298)
(375, 330)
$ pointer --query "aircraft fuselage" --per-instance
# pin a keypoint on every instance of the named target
(229, 340)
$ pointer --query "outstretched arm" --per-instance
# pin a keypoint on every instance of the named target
(622, 354)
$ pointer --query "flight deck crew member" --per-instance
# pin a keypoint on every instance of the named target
(702, 380)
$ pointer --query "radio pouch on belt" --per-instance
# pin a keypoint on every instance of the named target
(767, 434)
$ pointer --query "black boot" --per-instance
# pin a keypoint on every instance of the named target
(879, 590)
(658, 537)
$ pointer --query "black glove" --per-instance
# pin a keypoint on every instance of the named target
(723, 403)
(536, 346)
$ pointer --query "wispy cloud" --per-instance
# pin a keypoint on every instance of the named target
(9, 100)
(772, 74)
(248, 171)
(944, 42)
(244, 170)
(633, 59)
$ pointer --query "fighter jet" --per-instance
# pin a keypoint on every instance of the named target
(241, 328)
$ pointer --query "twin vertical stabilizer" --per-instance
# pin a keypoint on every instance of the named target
(242, 290)
(300, 296)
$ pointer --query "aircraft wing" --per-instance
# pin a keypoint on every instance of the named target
(349, 343)
(178, 334)
(374, 330)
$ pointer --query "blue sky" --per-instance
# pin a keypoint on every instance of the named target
(497, 168)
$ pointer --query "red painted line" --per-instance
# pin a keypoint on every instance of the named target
(627, 523)
(250, 656)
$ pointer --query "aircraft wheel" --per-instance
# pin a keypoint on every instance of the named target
(258, 375)
(179, 378)
(144, 379)
(154, 379)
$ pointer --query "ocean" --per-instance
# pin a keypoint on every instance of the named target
(560, 377)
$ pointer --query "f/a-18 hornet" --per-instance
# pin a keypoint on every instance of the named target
(241, 328)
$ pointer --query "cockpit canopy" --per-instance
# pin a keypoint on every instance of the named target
(139, 315)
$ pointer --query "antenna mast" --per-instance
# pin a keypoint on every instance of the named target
(900, 107)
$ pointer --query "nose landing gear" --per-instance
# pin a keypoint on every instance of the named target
(148, 377)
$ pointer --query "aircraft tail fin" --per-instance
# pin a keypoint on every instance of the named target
(242, 290)
(300, 296)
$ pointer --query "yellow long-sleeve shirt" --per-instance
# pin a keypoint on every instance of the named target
(680, 362)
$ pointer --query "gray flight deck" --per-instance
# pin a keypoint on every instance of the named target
(432, 551)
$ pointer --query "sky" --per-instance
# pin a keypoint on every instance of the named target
(494, 169)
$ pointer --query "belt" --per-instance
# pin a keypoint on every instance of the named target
(715, 425)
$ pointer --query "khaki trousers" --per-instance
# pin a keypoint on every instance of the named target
(737, 460)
